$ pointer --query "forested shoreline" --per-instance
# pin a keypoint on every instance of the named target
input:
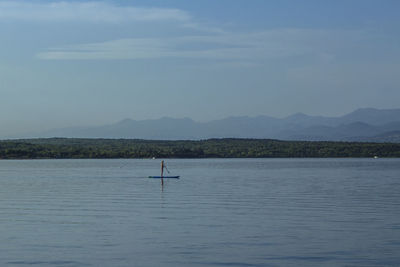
(63, 148)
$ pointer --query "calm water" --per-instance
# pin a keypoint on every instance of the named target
(228, 212)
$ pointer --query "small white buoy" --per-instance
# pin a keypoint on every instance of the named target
(375, 157)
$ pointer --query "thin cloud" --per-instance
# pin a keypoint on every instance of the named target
(86, 11)
(206, 47)
(257, 46)
(203, 28)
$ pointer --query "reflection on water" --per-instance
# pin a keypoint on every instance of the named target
(222, 212)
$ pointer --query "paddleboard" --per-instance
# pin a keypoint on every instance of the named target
(176, 177)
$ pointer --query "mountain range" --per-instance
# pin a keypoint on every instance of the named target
(366, 124)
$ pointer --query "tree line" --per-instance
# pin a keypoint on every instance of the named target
(63, 148)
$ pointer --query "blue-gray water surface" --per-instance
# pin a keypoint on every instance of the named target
(222, 212)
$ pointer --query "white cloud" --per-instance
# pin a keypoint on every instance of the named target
(204, 41)
(85, 11)
(247, 47)
(203, 28)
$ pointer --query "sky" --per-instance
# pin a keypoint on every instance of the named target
(72, 63)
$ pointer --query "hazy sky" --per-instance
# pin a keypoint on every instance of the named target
(65, 63)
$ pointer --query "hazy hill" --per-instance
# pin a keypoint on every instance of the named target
(361, 125)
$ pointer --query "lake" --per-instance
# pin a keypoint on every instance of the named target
(222, 212)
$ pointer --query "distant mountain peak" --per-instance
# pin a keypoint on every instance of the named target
(297, 115)
(372, 116)
(371, 110)
(366, 109)
(360, 124)
(125, 121)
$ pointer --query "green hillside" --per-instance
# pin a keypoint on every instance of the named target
(211, 148)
